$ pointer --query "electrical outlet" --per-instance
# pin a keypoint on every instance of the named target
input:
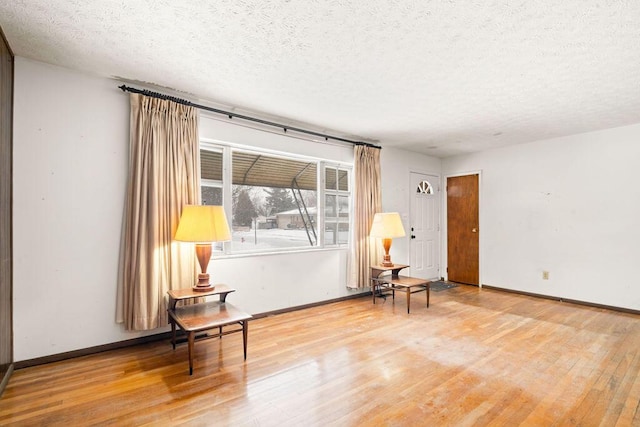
(545, 275)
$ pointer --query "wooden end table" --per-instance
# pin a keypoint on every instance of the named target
(205, 316)
(395, 282)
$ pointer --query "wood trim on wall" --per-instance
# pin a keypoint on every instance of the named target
(6, 209)
(167, 335)
(561, 299)
(91, 350)
(161, 336)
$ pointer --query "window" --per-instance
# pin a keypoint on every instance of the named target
(336, 207)
(211, 182)
(425, 188)
(272, 201)
(211, 177)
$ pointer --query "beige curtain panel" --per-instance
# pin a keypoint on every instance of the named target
(367, 202)
(164, 175)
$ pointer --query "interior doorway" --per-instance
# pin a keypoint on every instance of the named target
(425, 226)
(463, 231)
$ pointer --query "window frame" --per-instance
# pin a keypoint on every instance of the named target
(213, 183)
(338, 193)
(217, 247)
(227, 150)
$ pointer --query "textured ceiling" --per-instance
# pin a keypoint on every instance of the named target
(438, 77)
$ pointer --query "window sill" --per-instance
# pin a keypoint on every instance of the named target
(217, 256)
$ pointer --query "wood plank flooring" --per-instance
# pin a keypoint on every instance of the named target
(475, 357)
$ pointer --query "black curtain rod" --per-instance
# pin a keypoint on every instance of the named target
(240, 116)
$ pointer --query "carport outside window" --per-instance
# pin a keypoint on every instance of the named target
(273, 201)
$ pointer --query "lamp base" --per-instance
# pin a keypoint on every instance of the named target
(203, 288)
(203, 284)
(386, 259)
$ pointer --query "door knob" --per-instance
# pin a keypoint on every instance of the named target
(413, 237)
(474, 230)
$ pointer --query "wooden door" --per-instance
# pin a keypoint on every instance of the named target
(463, 229)
(425, 226)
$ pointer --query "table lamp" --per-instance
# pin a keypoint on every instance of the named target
(387, 226)
(203, 225)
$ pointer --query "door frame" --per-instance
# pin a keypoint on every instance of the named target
(440, 215)
(445, 230)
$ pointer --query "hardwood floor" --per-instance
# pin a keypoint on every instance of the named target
(475, 357)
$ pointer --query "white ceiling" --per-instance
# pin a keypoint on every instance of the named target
(434, 76)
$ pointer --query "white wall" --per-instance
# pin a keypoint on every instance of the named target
(396, 166)
(70, 166)
(570, 206)
(70, 160)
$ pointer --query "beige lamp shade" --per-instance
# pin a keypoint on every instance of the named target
(387, 225)
(203, 224)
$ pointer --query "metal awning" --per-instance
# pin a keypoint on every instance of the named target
(261, 170)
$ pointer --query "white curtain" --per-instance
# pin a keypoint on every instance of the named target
(164, 175)
(367, 202)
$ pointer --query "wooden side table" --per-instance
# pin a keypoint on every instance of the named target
(395, 282)
(377, 272)
(205, 316)
(176, 295)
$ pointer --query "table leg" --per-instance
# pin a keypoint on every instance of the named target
(428, 288)
(373, 290)
(173, 334)
(220, 331)
(245, 333)
(191, 337)
(408, 299)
